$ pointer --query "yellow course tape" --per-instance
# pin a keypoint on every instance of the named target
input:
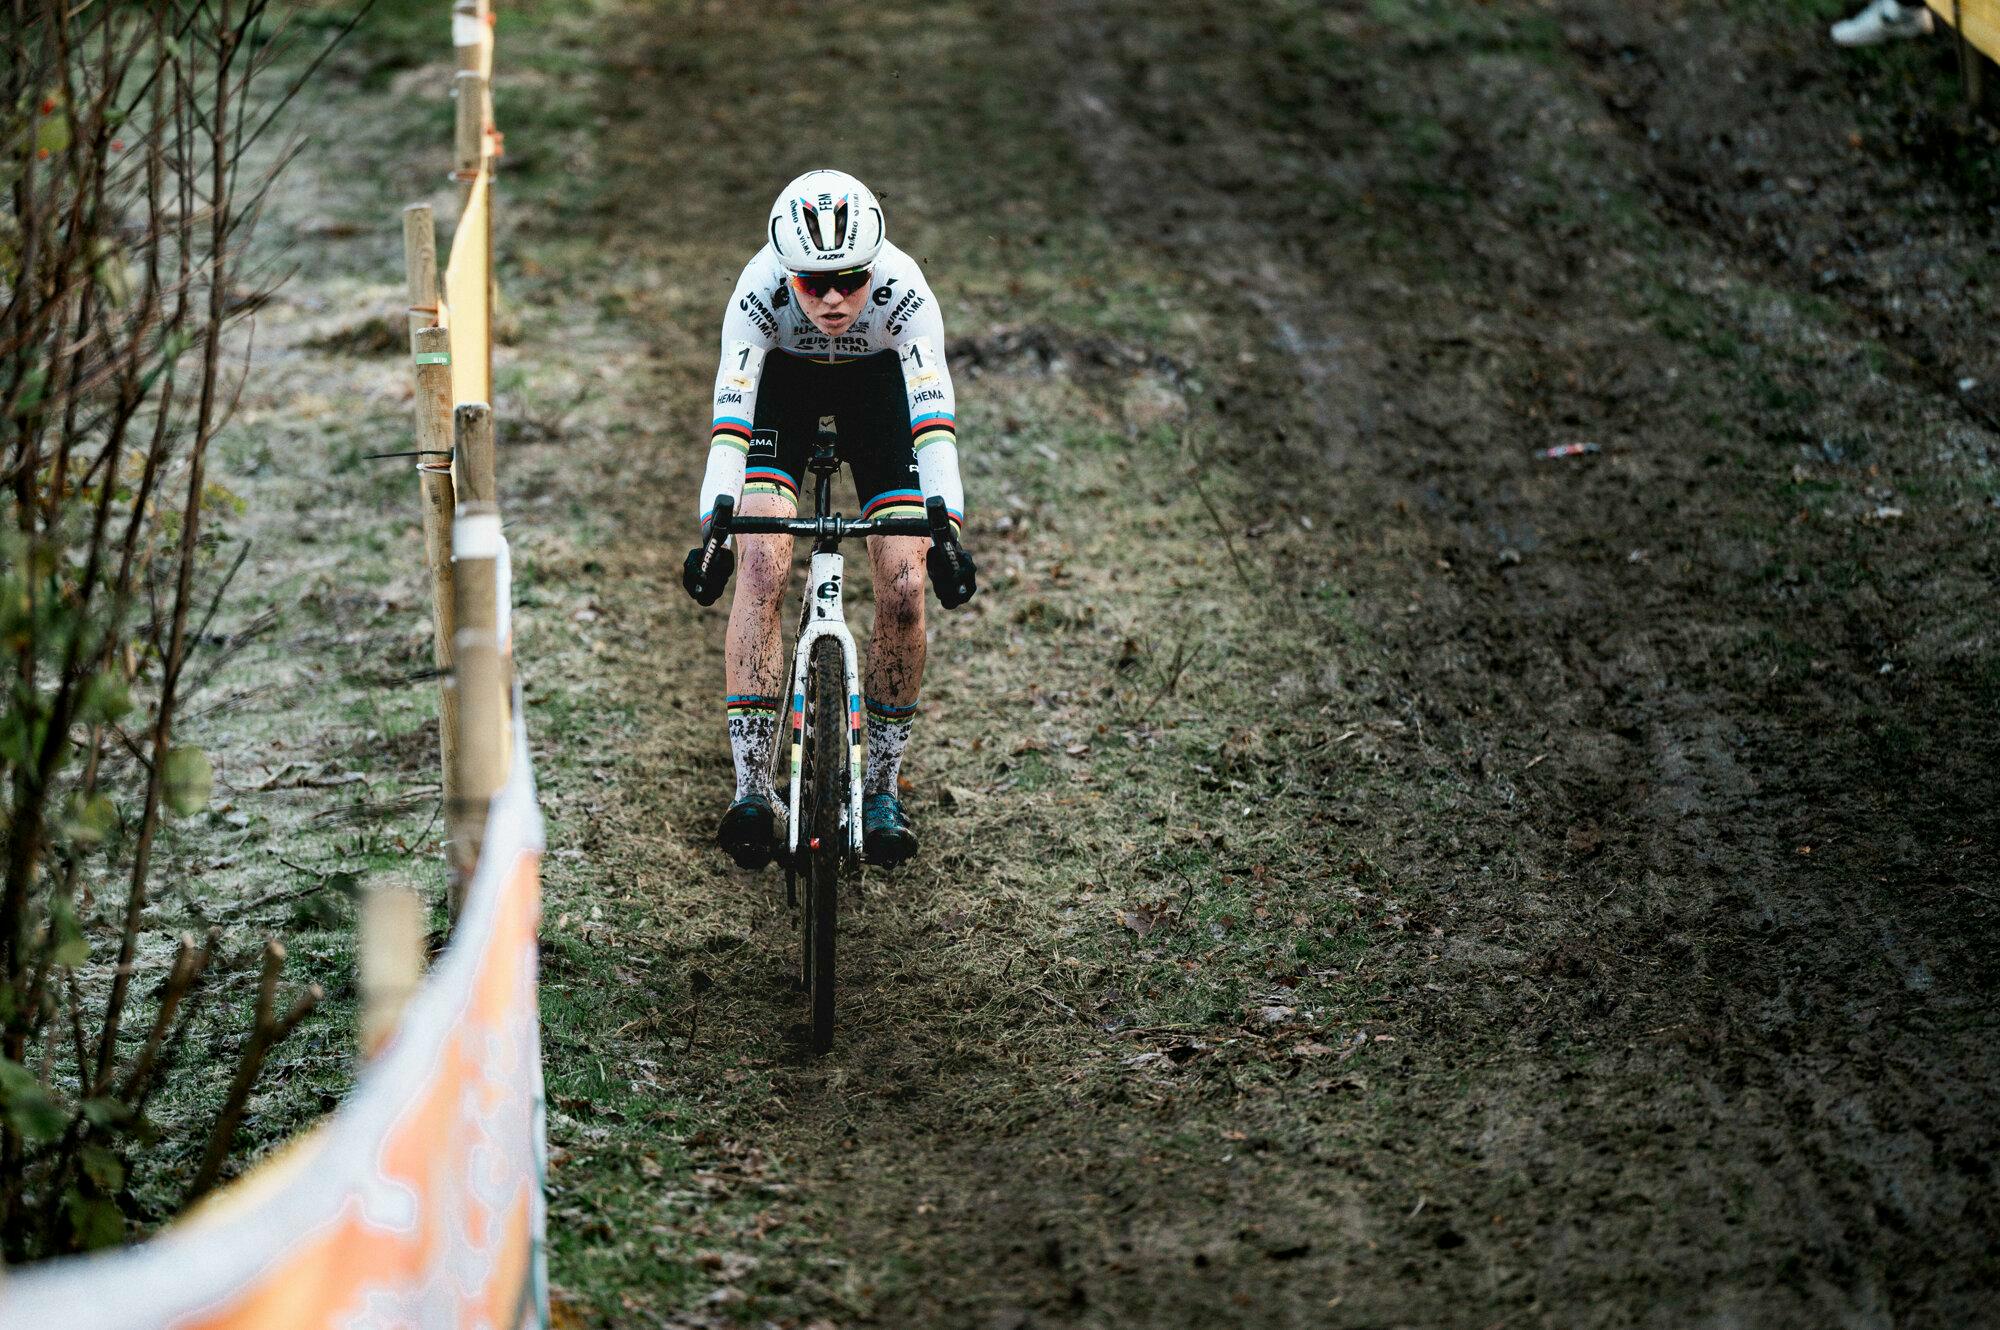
(1980, 17)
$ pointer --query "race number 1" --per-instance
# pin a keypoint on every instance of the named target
(920, 362)
(742, 364)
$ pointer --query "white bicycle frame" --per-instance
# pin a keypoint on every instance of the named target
(823, 615)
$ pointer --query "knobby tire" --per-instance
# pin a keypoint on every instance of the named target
(826, 776)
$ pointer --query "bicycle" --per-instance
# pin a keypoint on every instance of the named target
(824, 712)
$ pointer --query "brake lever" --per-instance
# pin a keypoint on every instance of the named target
(718, 530)
(940, 520)
(944, 545)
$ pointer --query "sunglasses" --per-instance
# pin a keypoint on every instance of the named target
(820, 285)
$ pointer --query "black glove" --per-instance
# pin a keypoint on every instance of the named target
(705, 584)
(952, 574)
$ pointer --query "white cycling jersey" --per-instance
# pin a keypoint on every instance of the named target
(900, 315)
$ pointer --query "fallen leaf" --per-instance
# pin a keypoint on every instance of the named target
(1143, 919)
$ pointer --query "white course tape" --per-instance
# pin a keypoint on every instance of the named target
(477, 537)
(467, 30)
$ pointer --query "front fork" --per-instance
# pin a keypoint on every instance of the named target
(825, 616)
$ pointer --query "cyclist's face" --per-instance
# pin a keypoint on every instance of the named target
(833, 312)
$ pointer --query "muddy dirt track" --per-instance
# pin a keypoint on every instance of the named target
(1373, 876)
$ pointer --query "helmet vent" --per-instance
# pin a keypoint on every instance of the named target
(826, 222)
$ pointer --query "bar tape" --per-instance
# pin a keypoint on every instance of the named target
(476, 537)
(432, 358)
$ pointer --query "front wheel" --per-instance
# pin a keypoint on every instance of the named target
(824, 825)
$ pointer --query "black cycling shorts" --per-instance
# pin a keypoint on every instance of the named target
(862, 403)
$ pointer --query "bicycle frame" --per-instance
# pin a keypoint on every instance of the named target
(824, 614)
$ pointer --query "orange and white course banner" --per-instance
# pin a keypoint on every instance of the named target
(418, 1204)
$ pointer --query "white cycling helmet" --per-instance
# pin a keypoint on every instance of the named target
(826, 221)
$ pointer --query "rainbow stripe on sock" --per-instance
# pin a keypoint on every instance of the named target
(751, 706)
(889, 713)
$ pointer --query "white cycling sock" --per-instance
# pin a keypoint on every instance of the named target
(889, 729)
(753, 728)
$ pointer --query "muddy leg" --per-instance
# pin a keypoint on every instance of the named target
(895, 655)
(754, 659)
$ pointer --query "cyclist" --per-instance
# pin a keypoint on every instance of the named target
(1882, 21)
(859, 353)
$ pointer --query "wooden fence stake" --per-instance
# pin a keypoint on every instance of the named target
(420, 264)
(440, 509)
(472, 40)
(438, 501)
(473, 453)
(435, 456)
(391, 961)
(468, 34)
(470, 140)
(482, 747)
(440, 506)
(473, 146)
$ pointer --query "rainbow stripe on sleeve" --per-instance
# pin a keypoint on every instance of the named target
(931, 427)
(935, 427)
(732, 430)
